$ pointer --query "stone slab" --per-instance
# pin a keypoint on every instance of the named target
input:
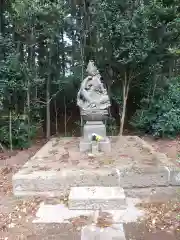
(95, 198)
(58, 213)
(41, 182)
(147, 177)
(115, 232)
(128, 165)
(51, 212)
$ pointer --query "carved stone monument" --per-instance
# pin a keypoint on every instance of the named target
(93, 102)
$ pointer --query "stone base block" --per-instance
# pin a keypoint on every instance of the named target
(97, 127)
(85, 146)
(104, 145)
(115, 232)
(174, 176)
(145, 177)
(94, 198)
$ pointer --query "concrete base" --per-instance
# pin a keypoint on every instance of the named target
(46, 174)
(95, 198)
(51, 212)
(99, 128)
(104, 145)
(47, 183)
(91, 127)
(115, 232)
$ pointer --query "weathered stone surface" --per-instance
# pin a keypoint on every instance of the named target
(98, 128)
(47, 172)
(97, 198)
(116, 232)
(174, 176)
(94, 127)
(58, 213)
(154, 194)
(92, 94)
(94, 115)
(51, 181)
(144, 177)
(105, 145)
(84, 146)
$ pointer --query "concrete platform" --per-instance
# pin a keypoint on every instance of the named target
(95, 198)
(59, 165)
(50, 212)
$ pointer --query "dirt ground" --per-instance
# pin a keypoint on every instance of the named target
(16, 214)
(170, 147)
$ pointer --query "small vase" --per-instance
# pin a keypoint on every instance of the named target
(94, 147)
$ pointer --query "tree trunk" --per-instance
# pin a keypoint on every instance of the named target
(48, 100)
(28, 108)
(48, 117)
(125, 97)
(56, 116)
(65, 117)
(2, 25)
(10, 130)
(63, 63)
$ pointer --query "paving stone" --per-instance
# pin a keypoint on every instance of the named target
(59, 213)
(97, 198)
(115, 232)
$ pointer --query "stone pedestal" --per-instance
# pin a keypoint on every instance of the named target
(99, 128)
(104, 145)
(91, 127)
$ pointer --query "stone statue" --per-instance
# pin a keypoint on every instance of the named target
(92, 94)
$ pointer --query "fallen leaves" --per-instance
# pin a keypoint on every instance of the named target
(104, 220)
(6, 170)
(79, 222)
(162, 216)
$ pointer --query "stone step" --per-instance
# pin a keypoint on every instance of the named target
(49, 181)
(108, 224)
(95, 198)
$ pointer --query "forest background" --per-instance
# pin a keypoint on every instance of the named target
(44, 50)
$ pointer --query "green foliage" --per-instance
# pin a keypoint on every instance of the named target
(45, 46)
(21, 133)
(111, 126)
(160, 115)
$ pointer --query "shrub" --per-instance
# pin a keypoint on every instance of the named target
(160, 116)
(21, 133)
